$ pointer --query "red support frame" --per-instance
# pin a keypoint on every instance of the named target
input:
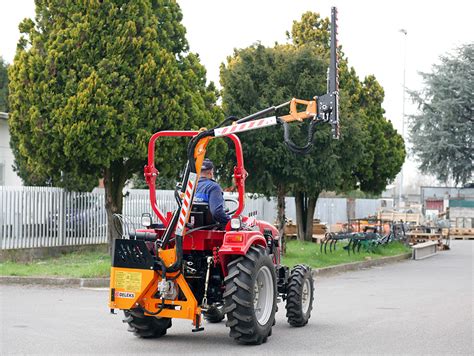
(151, 173)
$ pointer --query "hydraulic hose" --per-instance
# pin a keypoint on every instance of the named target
(170, 229)
(289, 142)
(177, 198)
(176, 266)
(228, 119)
(160, 309)
(162, 267)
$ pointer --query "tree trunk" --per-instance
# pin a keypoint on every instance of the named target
(310, 207)
(305, 206)
(281, 218)
(114, 181)
(300, 214)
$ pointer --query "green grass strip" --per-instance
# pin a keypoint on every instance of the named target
(97, 264)
(77, 264)
(309, 253)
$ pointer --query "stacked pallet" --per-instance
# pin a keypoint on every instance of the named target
(460, 233)
(290, 229)
(319, 230)
(398, 216)
(420, 234)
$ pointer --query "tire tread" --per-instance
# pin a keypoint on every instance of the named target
(145, 326)
(294, 312)
(238, 298)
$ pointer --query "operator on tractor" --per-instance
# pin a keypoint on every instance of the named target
(209, 191)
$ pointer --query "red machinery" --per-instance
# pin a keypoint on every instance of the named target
(186, 265)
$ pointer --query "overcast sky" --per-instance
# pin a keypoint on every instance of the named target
(368, 32)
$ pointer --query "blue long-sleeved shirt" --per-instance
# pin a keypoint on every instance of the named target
(208, 191)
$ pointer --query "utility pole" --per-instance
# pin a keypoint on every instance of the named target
(404, 32)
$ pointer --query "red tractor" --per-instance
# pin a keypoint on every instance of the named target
(186, 266)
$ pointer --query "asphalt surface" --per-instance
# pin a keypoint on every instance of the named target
(410, 307)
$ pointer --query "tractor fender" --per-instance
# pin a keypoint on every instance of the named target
(238, 243)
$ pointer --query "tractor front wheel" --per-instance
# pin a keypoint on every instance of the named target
(300, 295)
(250, 297)
(144, 326)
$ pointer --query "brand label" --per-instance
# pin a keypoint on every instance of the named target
(126, 295)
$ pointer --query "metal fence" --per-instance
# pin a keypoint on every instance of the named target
(45, 217)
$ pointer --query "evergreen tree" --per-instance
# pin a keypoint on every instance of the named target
(258, 77)
(442, 134)
(91, 81)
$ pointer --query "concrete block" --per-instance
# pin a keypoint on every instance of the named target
(424, 250)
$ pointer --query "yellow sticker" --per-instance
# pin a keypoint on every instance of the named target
(129, 281)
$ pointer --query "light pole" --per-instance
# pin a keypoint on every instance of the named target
(404, 32)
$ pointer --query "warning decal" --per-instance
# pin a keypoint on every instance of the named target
(129, 281)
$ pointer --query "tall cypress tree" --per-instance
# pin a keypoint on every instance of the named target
(91, 81)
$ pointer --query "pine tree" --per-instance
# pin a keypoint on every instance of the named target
(442, 134)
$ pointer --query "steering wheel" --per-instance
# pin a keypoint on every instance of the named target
(234, 201)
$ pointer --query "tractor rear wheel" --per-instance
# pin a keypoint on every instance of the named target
(250, 297)
(300, 295)
(144, 326)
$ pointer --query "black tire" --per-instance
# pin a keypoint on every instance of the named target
(144, 326)
(300, 293)
(215, 314)
(250, 325)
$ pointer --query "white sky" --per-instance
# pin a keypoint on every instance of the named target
(368, 32)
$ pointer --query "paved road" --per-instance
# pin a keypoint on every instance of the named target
(411, 307)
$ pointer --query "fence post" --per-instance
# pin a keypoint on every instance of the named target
(350, 208)
(62, 217)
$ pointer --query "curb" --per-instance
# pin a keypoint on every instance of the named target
(354, 266)
(57, 281)
(105, 282)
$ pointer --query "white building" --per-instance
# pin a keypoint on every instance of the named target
(7, 175)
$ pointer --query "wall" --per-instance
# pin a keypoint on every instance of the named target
(6, 157)
(461, 217)
(328, 210)
(446, 192)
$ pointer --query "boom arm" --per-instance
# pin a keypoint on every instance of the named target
(322, 109)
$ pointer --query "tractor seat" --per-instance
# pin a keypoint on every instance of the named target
(201, 216)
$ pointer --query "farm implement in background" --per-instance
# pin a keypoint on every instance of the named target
(367, 240)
